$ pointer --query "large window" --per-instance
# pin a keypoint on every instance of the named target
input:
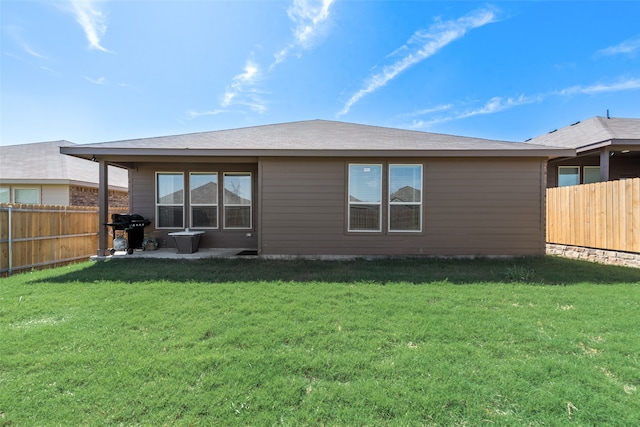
(203, 193)
(26, 195)
(405, 197)
(170, 199)
(568, 175)
(591, 174)
(365, 197)
(237, 200)
(4, 195)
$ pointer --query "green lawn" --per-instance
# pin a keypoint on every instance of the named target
(540, 341)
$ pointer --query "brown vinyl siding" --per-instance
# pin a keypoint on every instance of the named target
(470, 207)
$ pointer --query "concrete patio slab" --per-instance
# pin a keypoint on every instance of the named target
(171, 253)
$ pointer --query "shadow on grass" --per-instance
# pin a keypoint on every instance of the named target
(534, 270)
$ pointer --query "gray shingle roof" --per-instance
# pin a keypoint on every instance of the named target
(42, 163)
(313, 137)
(592, 131)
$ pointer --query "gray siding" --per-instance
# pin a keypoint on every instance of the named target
(471, 207)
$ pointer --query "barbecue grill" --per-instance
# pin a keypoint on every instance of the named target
(133, 225)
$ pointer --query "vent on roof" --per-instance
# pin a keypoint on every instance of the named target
(527, 140)
(555, 130)
(573, 124)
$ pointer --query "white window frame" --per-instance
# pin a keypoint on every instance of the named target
(225, 205)
(158, 205)
(216, 204)
(391, 203)
(351, 203)
(569, 167)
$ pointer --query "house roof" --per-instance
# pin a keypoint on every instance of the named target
(42, 163)
(594, 133)
(320, 138)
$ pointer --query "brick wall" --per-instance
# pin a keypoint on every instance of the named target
(86, 196)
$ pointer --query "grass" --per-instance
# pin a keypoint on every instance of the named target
(534, 341)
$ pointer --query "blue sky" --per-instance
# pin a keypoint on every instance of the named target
(94, 71)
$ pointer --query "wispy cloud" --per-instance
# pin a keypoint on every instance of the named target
(627, 47)
(620, 85)
(244, 91)
(498, 104)
(308, 17)
(430, 110)
(15, 33)
(98, 81)
(422, 45)
(91, 19)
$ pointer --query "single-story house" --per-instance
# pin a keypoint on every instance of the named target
(607, 149)
(326, 188)
(39, 174)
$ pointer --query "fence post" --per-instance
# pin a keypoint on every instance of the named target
(10, 238)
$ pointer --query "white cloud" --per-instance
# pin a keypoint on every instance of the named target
(622, 85)
(243, 90)
(195, 114)
(308, 17)
(423, 44)
(498, 104)
(626, 47)
(430, 110)
(15, 33)
(91, 19)
(98, 81)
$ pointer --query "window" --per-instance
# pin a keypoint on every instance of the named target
(568, 175)
(365, 197)
(170, 199)
(591, 174)
(405, 197)
(203, 193)
(26, 195)
(237, 200)
(4, 195)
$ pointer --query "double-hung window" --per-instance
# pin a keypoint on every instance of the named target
(170, 199)
(237, 200)
(203, 193)
(405, 197)
(365, 197)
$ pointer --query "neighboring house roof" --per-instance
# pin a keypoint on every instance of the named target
(593, 133)
(320, 138)
(42, 163)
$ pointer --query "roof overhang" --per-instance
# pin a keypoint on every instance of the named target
(126, 157)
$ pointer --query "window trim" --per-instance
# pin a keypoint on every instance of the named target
(225, 204)
(390, 203)
(379, 204)
(216, 204)
(158, 205)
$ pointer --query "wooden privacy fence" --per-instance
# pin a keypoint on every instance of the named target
(605, 215)
(33, 236)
